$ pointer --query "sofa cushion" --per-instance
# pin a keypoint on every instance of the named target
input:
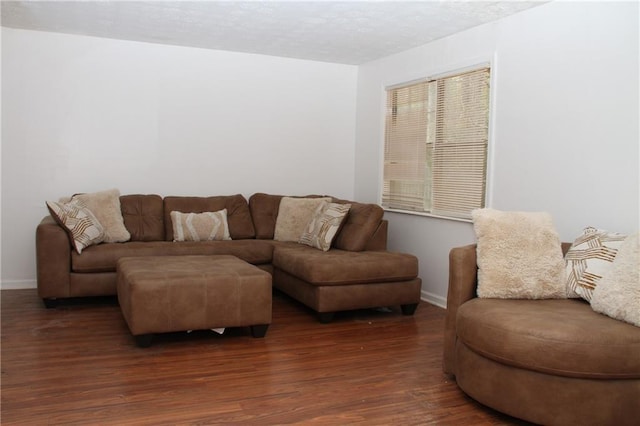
(519, 255)
(336, 267)
(105, 205)
(264, 212)
(589, 258)
(143, 216)
(238, 215)
(559, 337)
(361, 223)
(103, 257)
(204, 226)
(294, 215)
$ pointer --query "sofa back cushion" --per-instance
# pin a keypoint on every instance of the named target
(238, 215)
(358, 228)
(143, 216)
(264, 212)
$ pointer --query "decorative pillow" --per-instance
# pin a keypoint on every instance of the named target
(589, 257)
(519, 255)
(617, 295)
(81, 225)
(200, 226)
(293, 216)
(324, 225)
(105, 205)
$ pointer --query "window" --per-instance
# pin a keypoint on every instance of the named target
(435, 152)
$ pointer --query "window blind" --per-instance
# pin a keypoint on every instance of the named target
(436, 136)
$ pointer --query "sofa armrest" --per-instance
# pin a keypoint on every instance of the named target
(53, 259)
(463, 272)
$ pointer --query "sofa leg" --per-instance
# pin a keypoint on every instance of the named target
(259, 330)
(325, 317)
(409, 309)
(50, 303)
(143, 340)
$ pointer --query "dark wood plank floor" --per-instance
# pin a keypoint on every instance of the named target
(78, 364)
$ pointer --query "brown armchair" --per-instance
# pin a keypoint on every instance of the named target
(544, 361)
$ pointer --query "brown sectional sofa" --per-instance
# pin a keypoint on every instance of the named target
(356, 273)
(552, 362)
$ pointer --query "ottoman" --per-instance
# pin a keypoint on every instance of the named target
(161, 294)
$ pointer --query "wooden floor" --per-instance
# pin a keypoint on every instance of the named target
(78, 364)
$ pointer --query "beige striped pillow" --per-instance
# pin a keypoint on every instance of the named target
(200, 226)
(81, 225)
(324, 225)
(589, 257)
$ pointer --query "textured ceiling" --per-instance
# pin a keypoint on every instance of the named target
(349, 32)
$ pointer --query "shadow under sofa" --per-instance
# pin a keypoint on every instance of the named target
(356, 273)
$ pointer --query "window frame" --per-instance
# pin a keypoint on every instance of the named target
(427, 76)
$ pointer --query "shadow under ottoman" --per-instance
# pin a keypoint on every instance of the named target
(161, 294)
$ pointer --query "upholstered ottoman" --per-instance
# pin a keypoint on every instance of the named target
(160, 294)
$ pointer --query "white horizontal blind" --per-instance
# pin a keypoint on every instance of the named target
(436, 145)
(405, 148)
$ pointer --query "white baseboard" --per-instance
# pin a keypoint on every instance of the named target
(434, 299)
(18, 284)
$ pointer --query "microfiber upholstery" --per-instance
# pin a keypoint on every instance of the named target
(359, 226)
(143, 216)
(105, 257)
(340, 267)
(238, 214)
(567, 339)
(264, 212)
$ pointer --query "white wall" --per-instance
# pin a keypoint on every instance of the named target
(82, 114)
(564, 132)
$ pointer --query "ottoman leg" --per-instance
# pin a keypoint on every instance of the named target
(409, 309)
(143, 340)
(259, 330)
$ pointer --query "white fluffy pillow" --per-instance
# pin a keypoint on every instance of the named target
(519, 255)
(105, 205)
(618, 293)
(294, 215)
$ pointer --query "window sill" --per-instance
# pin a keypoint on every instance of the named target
(425, 214)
